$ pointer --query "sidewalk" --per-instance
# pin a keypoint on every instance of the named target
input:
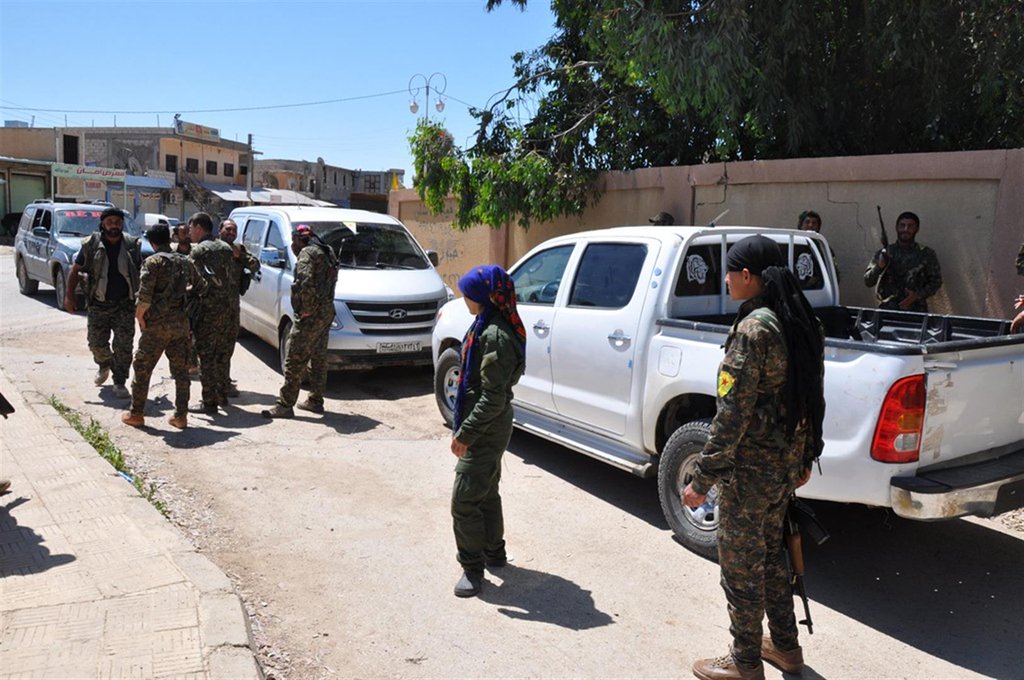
(94, 582)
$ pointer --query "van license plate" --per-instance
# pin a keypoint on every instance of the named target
(397, 347)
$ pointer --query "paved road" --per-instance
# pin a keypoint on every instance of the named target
(336, 531)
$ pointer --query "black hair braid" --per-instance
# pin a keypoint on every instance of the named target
(805, 398)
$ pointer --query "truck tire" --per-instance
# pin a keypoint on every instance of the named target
(26, 285)
(695, 529)
(446, 383)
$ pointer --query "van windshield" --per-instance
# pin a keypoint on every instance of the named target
(370, 245)
(84, 221)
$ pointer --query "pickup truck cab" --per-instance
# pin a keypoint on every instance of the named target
(625, 332)
(386, 298)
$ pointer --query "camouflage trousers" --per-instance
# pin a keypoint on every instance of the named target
(214, 342)
(477, 517)
(172, 340)
(104, 319)
(755, 574)
(307, 347)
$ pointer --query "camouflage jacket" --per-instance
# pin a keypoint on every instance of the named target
(316, 274)
(748, 433)
(214, 260)
(163, 283)
(915, 268)
(92, 260)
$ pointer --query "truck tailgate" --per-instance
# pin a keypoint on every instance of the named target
(974, 405)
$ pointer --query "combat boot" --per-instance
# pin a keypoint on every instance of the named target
(133, 419)
(180, 422)
(121, 392)
(102, 373)
(791, 661)
(311, 406)
(725, 668)
(203, 407)
(469, 584)
(278, 412)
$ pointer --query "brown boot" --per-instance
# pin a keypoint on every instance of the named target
(311, 406)
(725, 668)
(278, 412)
(180, 422)
(133, 419)
(791, 661)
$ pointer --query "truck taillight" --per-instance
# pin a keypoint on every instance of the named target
(898, 433)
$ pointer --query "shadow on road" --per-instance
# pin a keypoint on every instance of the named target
(24, 552)
(951, 589)
(531, 595)
(638, 497)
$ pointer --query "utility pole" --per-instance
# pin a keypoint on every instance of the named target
(248, 175)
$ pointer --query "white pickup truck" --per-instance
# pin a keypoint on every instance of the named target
(625, 331)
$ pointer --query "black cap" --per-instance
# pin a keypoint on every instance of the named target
(111, 212)
(663, 219)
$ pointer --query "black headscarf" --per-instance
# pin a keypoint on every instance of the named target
(805, 347)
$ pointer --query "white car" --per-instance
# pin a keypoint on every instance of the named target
(387, 296)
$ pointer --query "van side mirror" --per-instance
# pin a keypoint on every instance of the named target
(273, 257)
(41, 232)
(432, 256)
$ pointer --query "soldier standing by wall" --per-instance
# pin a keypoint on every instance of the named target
(905, 274)
(316, 273)
(112, 260)
(764, 436)
(245, 266)
(163, 323)
(213, 260)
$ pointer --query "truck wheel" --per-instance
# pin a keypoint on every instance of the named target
(26, 286)
(59, 288)
(446, 383)
(695, 529)
(282, 345)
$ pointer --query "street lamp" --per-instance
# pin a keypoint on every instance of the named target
(414, 106)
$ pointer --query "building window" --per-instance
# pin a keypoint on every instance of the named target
(171, 163)
(191, 165)
(371, 184)
(229, 169)
(211, 167)
(243, 170)
(71, 149)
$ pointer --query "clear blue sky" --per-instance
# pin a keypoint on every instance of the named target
(186, 56)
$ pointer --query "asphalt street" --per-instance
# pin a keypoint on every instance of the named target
(335, 530)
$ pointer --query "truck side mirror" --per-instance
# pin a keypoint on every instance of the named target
(273, 257)
(432, 256)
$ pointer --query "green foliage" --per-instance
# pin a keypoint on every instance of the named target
(626, 84)
(94, 434)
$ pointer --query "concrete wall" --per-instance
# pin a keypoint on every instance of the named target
(971, 206)
(33, 143)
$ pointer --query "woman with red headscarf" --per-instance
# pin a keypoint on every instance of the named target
(493, 358)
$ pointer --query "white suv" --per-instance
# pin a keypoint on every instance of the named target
(388, 291)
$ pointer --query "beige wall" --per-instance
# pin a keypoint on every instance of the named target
(34, 143)
(184, 148)
(971, 206)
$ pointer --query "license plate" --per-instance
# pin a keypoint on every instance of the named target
(397, 347)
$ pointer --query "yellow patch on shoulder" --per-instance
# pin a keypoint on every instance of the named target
(725, 382)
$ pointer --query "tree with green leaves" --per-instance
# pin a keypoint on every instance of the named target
(626, 84)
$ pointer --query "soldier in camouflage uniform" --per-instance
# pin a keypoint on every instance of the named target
(245, 266)
(493, 360)
(214, 260)
(316, 273)
(764, 436)
(905, 274)
(163, 322)
(111, 259)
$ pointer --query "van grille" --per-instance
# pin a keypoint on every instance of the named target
(394, 318)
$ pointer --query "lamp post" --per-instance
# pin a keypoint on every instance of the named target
(438, 90)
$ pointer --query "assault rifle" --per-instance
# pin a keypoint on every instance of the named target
(884, 234)
(799, 514)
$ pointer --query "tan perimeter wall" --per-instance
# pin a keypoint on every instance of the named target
(971, 206)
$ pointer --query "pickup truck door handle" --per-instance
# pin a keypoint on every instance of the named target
(541, 328)
(619, 339)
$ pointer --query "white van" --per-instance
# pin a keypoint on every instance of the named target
(388, 292)
(147, 220)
